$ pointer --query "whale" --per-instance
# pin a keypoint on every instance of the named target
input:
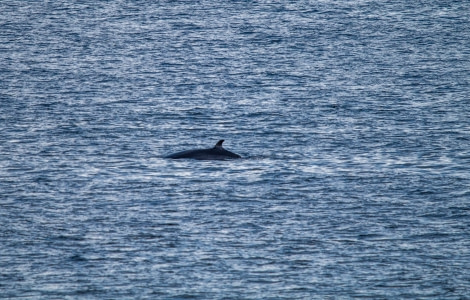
(215, 153)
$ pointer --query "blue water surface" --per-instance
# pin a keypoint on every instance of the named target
(352, 118)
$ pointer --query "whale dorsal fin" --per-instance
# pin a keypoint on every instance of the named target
(219, 144)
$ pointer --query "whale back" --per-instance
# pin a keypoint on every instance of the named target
(215, 153)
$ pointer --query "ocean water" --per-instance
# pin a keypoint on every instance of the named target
(352, 118)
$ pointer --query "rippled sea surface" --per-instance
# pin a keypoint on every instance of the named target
(352, 118)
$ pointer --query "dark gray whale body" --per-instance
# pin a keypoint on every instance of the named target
(216, 153)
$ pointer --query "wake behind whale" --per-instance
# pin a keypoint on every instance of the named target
(215, 153)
